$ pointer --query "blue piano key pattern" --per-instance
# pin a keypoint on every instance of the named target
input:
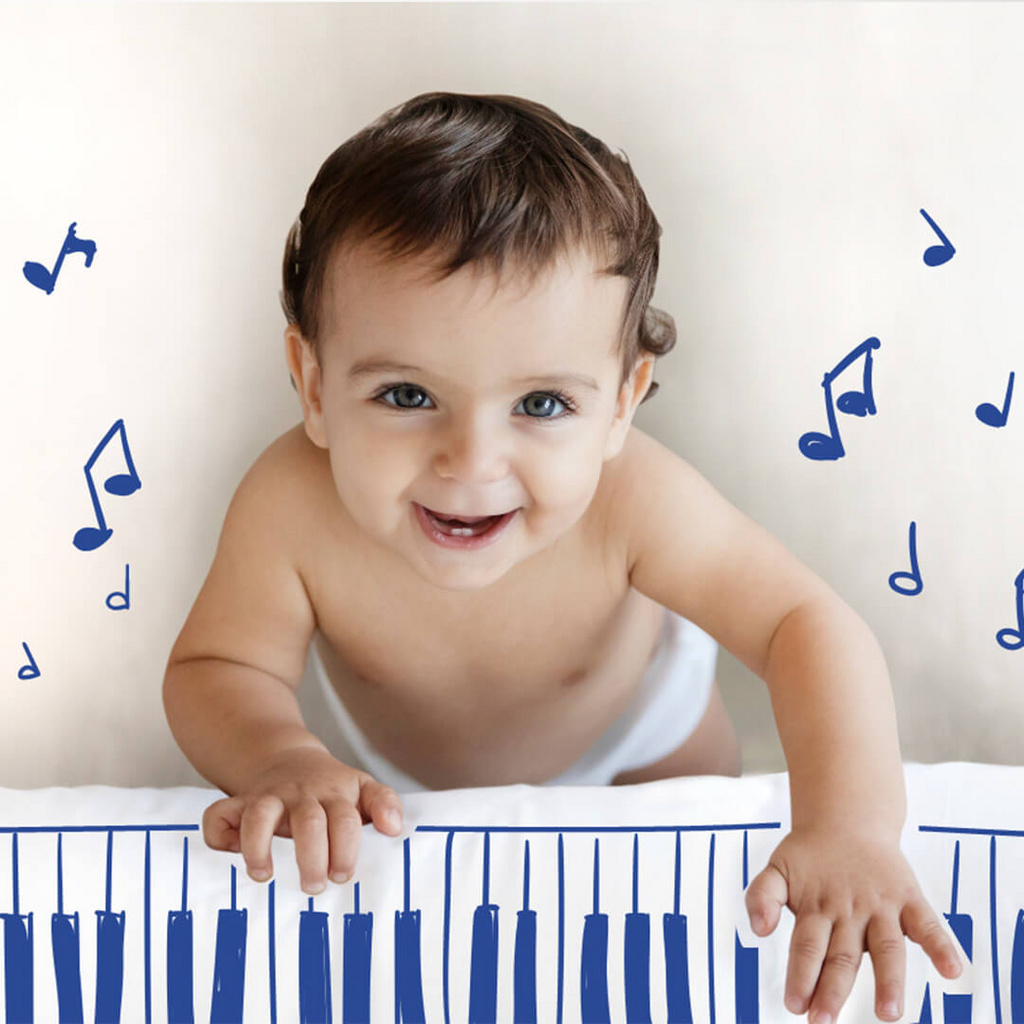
(79, 979)
(466, 929)
(959, 1007)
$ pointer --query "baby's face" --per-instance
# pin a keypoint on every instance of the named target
(497, 401)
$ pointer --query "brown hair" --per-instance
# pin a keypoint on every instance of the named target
(479, 179)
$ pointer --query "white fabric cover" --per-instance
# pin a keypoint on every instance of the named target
(962, 795)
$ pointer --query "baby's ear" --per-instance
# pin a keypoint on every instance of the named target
(307, 381)
(630, 395)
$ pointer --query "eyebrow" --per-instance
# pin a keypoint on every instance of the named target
(368, 367)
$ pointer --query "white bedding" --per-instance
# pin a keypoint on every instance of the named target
(455, 976)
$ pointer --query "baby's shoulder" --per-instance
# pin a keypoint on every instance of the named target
(639, 462)
(289, 482)
(637, 478)
(290, 471)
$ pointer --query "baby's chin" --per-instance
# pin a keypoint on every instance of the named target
(460, 579)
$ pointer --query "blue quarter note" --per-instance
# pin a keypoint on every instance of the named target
(88, 538)
(990, 415)
(1013, 639)
(37, 274)
(936, 255)
(31, 670)
(819, 446)
(916, 583)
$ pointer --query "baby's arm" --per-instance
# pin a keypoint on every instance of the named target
(229, 695)
(840, 870)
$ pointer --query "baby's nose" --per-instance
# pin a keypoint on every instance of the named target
(472, 455)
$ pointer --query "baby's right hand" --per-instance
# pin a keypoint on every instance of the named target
(311, 797)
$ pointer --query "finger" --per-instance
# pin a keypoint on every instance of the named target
(344, 829)
(220, 824)
(845, 950)
(259, 821)
(767, 894)
(309, 827)
(381, 805)
(921, 925)
(888, 951)
(807, 949)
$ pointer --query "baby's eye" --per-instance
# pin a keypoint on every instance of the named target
(407, 389)
(545, 400)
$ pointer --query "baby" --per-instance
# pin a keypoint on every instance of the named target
(508, 582)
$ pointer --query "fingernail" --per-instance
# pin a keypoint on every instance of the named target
(259, 874)
(340, 876)
(315, 888)
(794, 1004)
(759, 923)
(392, 819)
(891, 1009)
(821, 1017)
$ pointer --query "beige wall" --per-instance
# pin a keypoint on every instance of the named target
(787, 150)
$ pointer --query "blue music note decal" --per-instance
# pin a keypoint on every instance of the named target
(31, 670)
(117, 600)
(819, 446)
(45, 279)
(1015, 637)
(990, 415)
(936, 255)
(88, 538)
(917, 585)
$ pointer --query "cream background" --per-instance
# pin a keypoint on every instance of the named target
(786, 149)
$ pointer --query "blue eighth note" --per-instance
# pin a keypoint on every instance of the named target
(88, 538)
(819, 446)
(936, 255)
(1014, 638)
(31, 670)
(42, 278)
(990, 415)
(916, 583)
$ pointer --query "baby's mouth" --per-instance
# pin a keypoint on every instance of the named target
(464, 526)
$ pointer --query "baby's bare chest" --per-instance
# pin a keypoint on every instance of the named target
(520, 677)
(559, 618)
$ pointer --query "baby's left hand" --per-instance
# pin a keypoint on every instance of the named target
(849, 893)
